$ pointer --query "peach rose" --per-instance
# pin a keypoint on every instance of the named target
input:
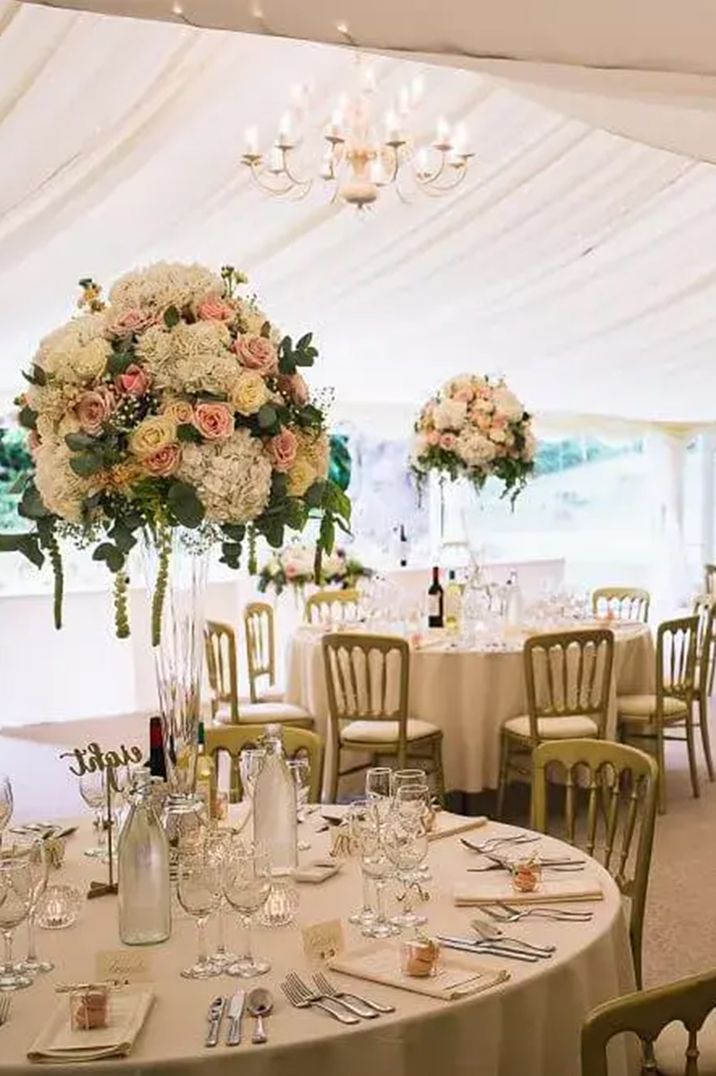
(131, 321)
(281, 450)
(215, 309)
(180, 411)
(294, 387)
(152, 433)
(448, 441)
(214, 421)
(164, 461)
(93, 409)
(465, 395)
(134, 381)
(432, 437)
(256, 353)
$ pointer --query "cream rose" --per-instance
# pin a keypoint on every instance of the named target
(214, 421)
(93, 409)
(151, 434)
(256, 353)
(281, 450)
(450, 414)
(249, 393)
(301, 476)
(180, 411)
(164, 461)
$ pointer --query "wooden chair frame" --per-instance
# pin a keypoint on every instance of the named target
(233, 739)
(325, 600)
(630, 600)
(221, 667)
(615, 773)
(339, 650)
(646, 1014)
(260, 645)
(704, 608)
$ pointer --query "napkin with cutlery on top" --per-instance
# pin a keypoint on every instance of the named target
(58, 1043)
(497, 889)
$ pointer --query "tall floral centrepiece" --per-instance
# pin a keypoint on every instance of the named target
(174, 414)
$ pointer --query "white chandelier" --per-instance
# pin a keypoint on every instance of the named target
(360, 151)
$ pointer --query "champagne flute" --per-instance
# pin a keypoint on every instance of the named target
(247, 881)
(218, 846)
(6, 803)
(301, 771)
(93, 790)
(378, 781)
(199, 893)
(366, 915)
(39, 870)
(375, 865)
(15, 902)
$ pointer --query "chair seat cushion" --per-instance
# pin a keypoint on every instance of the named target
(554, 728)
(670, 1048)
(643, 707)
(272, 694)
(257, 713)
(386, 731)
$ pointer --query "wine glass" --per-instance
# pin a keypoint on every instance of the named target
(406, 845)
(251, 761)
(365, 916)
(6, 804)
(406, 777)
(199, 893)
(39, 870)
(218, 845)
(378, 790)
(247, 881)
(15, 901)
(375, 865)
(93, 790)
(301, 771)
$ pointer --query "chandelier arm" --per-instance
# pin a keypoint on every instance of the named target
(287, 169)
(268, 188)
(434, 191)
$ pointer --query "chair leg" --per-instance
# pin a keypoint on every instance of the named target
(335, 767)
(703, 704)
(438, 769)
(691, 748)
(661, 762)
(504, 768)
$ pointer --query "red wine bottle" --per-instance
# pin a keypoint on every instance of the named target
(436, 600)
(157, 763)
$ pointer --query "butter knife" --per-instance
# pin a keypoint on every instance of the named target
(214, 1015)
(236, 1008)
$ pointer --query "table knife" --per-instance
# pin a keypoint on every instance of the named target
(214, 1015)
(236, 1009)
(470, 947)
(508, 944)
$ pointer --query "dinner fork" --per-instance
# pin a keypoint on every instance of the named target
(325, 995)
(492, 842)
(4, 1009)
(329, 990)
(508, 914)
(300, 1001)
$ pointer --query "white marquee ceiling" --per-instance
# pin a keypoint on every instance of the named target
(580, 264)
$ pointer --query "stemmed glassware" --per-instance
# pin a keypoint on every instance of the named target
(6, 803)
(416, 779)
(16, 895)
(247, 881)
(251, 761)
(199, 893)
(378, 791)
(301, 772)
(406, 843)
(218, 846)
(375, 864)
(93, 790)
(39, 870)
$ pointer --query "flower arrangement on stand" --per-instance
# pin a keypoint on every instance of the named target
(294, 567)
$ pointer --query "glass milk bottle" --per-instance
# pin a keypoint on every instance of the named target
(275, 806)
(143, 863)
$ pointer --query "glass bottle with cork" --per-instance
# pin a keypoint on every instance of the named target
(436, 600)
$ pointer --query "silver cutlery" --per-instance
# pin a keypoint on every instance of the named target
(306, 989)
(214, 1016)
(468, 945)
(236, 1008)
(491, 932)
(259, 1004)
(557, 864)
(4, 1009)
(492, 842)
(300, 1001)
(327, 988)
(508, 914)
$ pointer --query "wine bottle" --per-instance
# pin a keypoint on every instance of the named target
(453, 602)
(275, 806)
(205, 786)
(403, 547)
(144, 896)
(435, 601)
(156, 763)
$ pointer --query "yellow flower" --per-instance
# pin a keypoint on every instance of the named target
(152, 434)
(300, 477)
(248, 393)
(179, 411)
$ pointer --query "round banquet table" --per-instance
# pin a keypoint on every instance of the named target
(528, 1025)
(468, 693)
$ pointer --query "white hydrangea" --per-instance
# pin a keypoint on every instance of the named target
(507, 404)
(474, 449)
(62, 491)
(450, 414)
(163, 285)
(77, 352)
(190, 358)
(232, 478)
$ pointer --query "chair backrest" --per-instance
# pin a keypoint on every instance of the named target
(329, 606)
(646, 1013)
(620, 784)
(366, 679)
(260, 645)
(297, 743)
(566, 673)
(220, 648)
(704, 608)
(676, 642)
(710, 578)
(623, 603)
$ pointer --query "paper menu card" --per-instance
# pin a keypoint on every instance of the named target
(456, 978)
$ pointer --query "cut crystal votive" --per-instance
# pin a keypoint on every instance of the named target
(58, 907)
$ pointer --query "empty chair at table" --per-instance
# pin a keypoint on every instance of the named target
(622, 603)
(329, 607)
(297, 743)
(260, 636)
(617, 785)
(705, 609)
(568, 677)
(367, 680)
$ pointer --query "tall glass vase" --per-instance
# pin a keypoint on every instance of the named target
(454, 549)
(176, 575)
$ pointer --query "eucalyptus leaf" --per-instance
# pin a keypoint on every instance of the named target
(185, 504)
(187, 432)
(86, 464)
(172, 317)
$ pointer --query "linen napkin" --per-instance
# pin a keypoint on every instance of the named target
(494, 889)
(58, 1043)
(381, 964)
(447, 825)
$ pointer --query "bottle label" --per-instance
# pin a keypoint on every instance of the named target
(433, 605)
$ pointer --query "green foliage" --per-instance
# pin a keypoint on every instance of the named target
(184, 504)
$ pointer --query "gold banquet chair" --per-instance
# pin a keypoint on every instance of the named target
(619, 784)
(568, 678)
(367, 680)
(222, 673)
(624, 603)
(297, 743)
(332, 606)
(705, 609)
(260, 636)
(710, 579)
(645, 719)
(676, 1025)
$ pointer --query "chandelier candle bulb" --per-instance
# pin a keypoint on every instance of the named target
(252, 141)
(417, 88)
(276, 161)
(442, 134)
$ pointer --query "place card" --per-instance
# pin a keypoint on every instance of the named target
(323, 941)
(122, 966)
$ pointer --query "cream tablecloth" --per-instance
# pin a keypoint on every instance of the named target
(468, 694)
(528, 1026)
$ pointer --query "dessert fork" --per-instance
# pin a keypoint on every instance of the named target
(330, 991)
(305, 1001)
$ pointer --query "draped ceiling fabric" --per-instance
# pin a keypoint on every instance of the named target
(579, 263)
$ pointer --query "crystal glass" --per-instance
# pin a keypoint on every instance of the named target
(218, 848)
(15, 900)
(39, 870)
(58, 907)
(406, 846)
(378, 790)
(247, 882)
(375, 864)
(301, 772)
(406, 777)
(366, 915)
(281, 904)
(411, 805)
(93, 790)
(251, 760)
(6, 803)
(199, 893)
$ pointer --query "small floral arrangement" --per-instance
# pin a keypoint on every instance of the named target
(294, 566)
(176, 404)
(477, 428)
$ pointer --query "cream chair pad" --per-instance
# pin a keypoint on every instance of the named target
(385, 731)
(643, 707)
(554, 728)
(670, 1048)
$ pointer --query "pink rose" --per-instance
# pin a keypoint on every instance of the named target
(281, 450)
(482, 422)
(93, 409)
(448, 441)
(294, 387)
(432, 437)
(215, 421)
(164, 461)
(290, 571)
(134, 381)
(131, 321)
(215, 309)
(256, 353)
(464, 395)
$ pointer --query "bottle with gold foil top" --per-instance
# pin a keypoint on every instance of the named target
(453, 603)
(205, 787)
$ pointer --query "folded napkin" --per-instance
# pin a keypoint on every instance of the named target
(447, 825)
(455, 978)
(58, 1043)
(495, 888)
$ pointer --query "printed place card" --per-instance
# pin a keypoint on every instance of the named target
(122, 966)
(323, 941)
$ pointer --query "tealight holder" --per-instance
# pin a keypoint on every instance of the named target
(281, 904)
(526, 874)
(58, 907)
(419, 957)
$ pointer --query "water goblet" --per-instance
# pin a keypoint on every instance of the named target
(39, 870)
(378, 790)
(199, 893)
(247, 882)
(301, 771)
(407, 777)
(93, 790)
(375, 865)
(15, 902)
(6, 803)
